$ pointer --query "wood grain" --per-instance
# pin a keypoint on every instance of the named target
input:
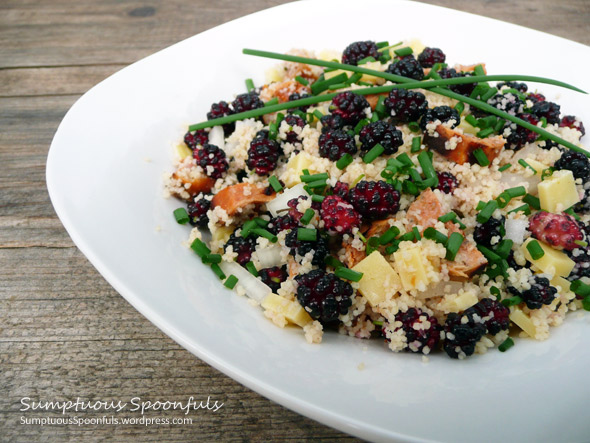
(64, 332)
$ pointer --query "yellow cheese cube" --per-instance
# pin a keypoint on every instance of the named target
(558, 192)
(378, 279)
(467, 128)
(183, 151)
(376, 66)
(537, 166)
(274, 74)
(329, 55)
(463, 301)
(295, 168)
(416, 45)
(562, 283)
(329, 75)
(553, 262)
(523, 321)
(290, 309)
(412, 266)
(221, 234)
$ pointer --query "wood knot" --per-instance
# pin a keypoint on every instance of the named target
(143, 11)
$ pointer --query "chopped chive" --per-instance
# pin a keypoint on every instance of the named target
(447, 217)
(453, 244)
(533, 201)
(437, 236)
(380, 107)
(247, 228)
(483, 134)
(580, 288)
(414, 126)
(504, 248)
(181, 216)
(298, 113)
(503, 168)
(308, 178)
(301, 80)
(472, 120)
(487, 122)
(434, 75)
(478, 70)
(522, 208)
(517, 191)
(581, 243)
(506, 344)
(571, 212)
(402, 52)
(217, 270)
(405, 160)
(252, 269)
(389, 235)
(488, 94)
(354, 78)
(306, 234)
(321, 85)
(460, 107)
(307, 216)
(487, 211)
(230, 282)
(360, 125)
(480, 156)
(335, 86)
(348, 274)
(273, 101)
(317, 198)
(335, 263)
(317, 184)
(383, 44)
(548, 172)
(375, 152)
(200, 248)
(391, 249)
(426, 164)
(276, 185)
(586, 303)
(535, 249)
(374, 117)
(266, 234)
(524, 164)
(415, 176)
(344, 161)
(496, 292)
(416, 233)
(318, 114)
(249, 85)
(512, 301)
(499, 124)
(408, 236)
(480, 206)
(273, 131)
(366, 60)
(410, 188)
(212, 258)
(544, 121)
(416, 144)
(489, 254)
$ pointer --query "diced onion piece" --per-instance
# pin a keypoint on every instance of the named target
(217, 137)
(254, 287)
(513, 180)
(515, 229)
(279, 204)
(269, 256)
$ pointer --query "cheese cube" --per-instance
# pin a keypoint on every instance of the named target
(183, 151)
(375, 66)
(378, 279)
(558, 192)
(295, 168)
(553, 262)
(467, 128)
(416, 45)
(523, 321)
(221, 234)
(412, 266)
(562, 283)
(537, 166)
(463, 301)
(329, 75)
(290, 309)
(274, 74)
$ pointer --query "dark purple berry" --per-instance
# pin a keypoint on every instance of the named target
(197, 212)
(341, 190)
(247, 102)
(447, 182)
(335, 143)
(221, 109)
(570, 121)
(406, 106)
(520, 87)
(244, 247)
(293, 120)
(576, 162)
(508, 102)
(422, 331)
(357, 51)
(338, 215)
(318, 247)
(442, 113)
(331, 121)
(197, 138)
(546, 109)
(350, 106)
(383, 133)
(494, 315)
(462, 332)
(484, 232)
(519, 136)
(273, 277)
(323, 295)
(212, 160)
(464, 88)
(282, 223)
(407, 67)
(263, 155)
(541, 293)
(430, 56)
(374, 200)
(298, 96)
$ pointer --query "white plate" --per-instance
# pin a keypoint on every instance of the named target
(109, 198)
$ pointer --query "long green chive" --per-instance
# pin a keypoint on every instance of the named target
(272, 102)
(181, 216)
(487, 211)
(301, 80)
(266, 234)
(348, 274)
(200, 248)
(308, 178)
(212, 258)
(504, 248)
(505, 345)
(344, 161)
(512, 301)
(503, 168)
(522, 208)
(249, 85)
(533, 201)
(252, 269)
(535, 249)
(402, 52)
(306, 234)
(416, 144)
(389, 235)
(217, 270)
(230, 282)
(489, 254)
(360, 125)
(453, 245)
(483, 134)
(317, 198)
(460, 107)
(481, 156)
(488, 94)
(375, 152)
(437, 236)
(307, 216)
(276, 185)
(580, 288)
(524, 164)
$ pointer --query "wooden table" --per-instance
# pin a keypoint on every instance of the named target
(64, 332)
